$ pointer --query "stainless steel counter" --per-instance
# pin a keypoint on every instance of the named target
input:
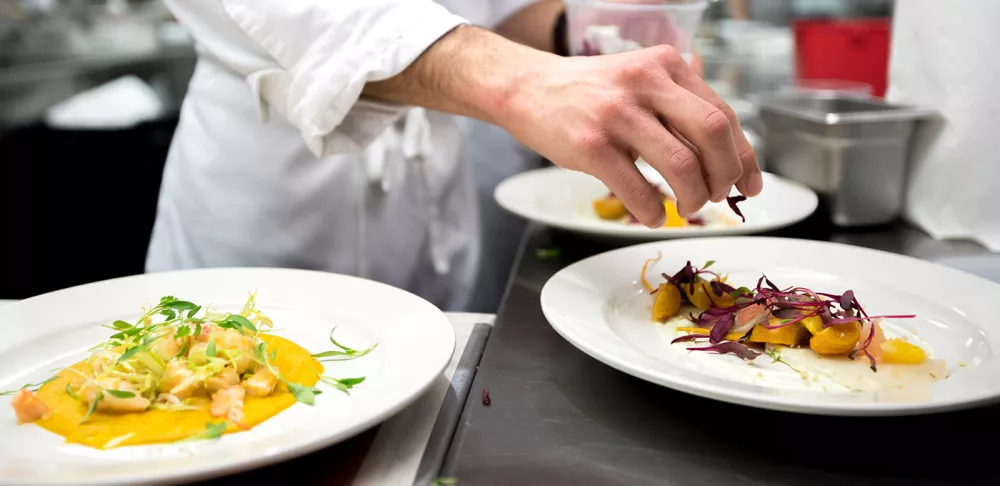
(558, 416)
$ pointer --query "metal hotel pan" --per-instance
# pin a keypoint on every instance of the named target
(852, 151)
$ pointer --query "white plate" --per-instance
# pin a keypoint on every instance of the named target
(415, 342)
(564, 199)
(598, 305)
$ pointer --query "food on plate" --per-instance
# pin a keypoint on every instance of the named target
(813, 329)
(611, 208)
(179, 373)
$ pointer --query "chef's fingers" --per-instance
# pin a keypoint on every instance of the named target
(671, 157)
(751, 182)
(708, 129)
(618, 171)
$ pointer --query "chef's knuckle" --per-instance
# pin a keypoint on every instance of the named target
(631, 192)
(684, 163)
(641, 72)
(594, 143)
(716, 125)
(667, 56)
(728, 112)
(732, 173)
(612, 108)
(748, 155)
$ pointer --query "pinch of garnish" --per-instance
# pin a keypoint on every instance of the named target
(733, 201)
(32, 387)
(344, 353)
(486, 397)
(642, 276)
(93, 406)
(721, 327)
(211, 432)
(734, 348)
(688, 337)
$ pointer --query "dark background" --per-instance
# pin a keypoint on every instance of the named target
(77, 206)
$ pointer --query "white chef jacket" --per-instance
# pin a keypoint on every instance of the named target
(277, 162)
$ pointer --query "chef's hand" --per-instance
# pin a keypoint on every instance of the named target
(599, 114)
(593, 114)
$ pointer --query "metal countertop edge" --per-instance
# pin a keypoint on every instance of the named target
(452, 408)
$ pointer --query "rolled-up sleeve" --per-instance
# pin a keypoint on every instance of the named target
(309, 60)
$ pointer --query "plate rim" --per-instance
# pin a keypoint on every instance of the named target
(765, 402)
(181, 475)
(641, 233)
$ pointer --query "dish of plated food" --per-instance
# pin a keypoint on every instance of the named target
(110, 383)
(784, 324)
(611, 208)
(811, 332)
(181, 372)
(578, 202)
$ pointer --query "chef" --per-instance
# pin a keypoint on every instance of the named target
(321, 134)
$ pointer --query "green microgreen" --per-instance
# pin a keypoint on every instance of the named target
(33, 387)
(93, 406)
(344, 353)
(211, 432)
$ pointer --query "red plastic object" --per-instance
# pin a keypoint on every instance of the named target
(844, 50)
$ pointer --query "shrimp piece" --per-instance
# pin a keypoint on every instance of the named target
(261, 384)
(100, 364)
(167, 346)
(237, 347)
(228, 403)
(179, 381)
(748, 317)
(225, 379)
(112, 404)
(875, 346)
(29, 407)
(205, 334)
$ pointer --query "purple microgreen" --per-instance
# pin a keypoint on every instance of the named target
(684, 276)
(721, 288)
(733, 201)
(486, 397)
(688, 337)
(730, 347)
(847, 300)
(721, 327)
(717, 287)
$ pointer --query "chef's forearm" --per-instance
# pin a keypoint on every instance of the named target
(469, 71)
(534, 25)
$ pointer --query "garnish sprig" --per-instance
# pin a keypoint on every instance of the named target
(343, 353)
(32, 387)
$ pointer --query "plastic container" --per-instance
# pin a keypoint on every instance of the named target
(611, 27)
(846, 50)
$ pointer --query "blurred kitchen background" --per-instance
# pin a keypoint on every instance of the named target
(90, 92)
